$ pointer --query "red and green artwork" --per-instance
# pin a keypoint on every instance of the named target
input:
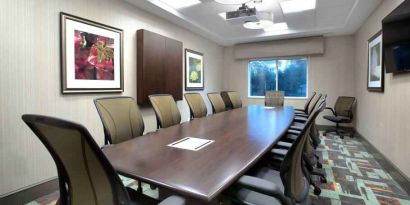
(94, 56)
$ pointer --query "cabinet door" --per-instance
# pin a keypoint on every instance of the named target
(151, 70)
(159, 66)
(173, 68)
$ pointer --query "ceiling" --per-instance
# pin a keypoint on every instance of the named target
(329, 18)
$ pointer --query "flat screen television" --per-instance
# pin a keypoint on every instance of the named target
(397, 57)
(396, 39)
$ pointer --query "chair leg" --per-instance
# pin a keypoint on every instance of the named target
(139, 190)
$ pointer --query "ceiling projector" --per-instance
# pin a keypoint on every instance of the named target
(243, 14)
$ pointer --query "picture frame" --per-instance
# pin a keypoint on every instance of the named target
(194, 70)
(375, 67)
(91, 56)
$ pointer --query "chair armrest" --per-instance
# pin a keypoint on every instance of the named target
(298, 109)
(297, 128)
(173, 200)
(293, 132)
(331, 109)
(301, 115)
(300, 119)
(264, 187)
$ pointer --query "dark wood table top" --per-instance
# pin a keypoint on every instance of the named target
(242, 136)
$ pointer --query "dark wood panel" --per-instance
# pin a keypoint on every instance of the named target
(159, 66)
(242, 136)
(173, 64)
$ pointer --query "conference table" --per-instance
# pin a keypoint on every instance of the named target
(240, 137)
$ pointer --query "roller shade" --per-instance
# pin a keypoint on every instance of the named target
(280, 48)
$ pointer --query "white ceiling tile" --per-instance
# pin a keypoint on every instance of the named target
(330, 16)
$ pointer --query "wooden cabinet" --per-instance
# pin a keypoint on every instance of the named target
(159, 66)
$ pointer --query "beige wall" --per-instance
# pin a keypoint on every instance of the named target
(331, 73)
(383, 117)
(30, 76)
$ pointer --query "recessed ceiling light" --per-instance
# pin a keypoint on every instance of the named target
(293, 6)
(232, 1)
(179, 4)
(277, 27)
(265, 20)
(258, 24)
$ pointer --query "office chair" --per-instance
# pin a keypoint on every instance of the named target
(217, 102)
(232, 99)
(342, 113)
(274, 98)
(305, 109)
(302, 117)
(290, 185)
(166, 110)
(196, 105)
(121, 118)
(311, 160)
(85, 175)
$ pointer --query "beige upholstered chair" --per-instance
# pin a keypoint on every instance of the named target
(289, 185)
(121, 118)
(342, 113)
(166, 110)
(274, 98)
(217, 102)
(232, 99)
(196, 104)
(85, 175)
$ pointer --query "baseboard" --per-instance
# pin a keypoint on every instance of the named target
(28, 194)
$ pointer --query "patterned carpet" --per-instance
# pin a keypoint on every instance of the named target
(354, 176)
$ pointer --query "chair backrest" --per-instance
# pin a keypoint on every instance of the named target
(85, 175)
(274, 98)
(196, 104)
(121, 118)
(344, 106)
(232, 99)
(292, 171)
(314, 103)
(218, 104)
(166, 110)
(309, 100)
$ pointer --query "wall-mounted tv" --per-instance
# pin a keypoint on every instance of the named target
(396, 39)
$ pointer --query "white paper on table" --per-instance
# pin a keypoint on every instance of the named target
(190, 143)
(267, 107)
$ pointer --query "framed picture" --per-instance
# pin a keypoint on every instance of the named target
(194, 70)
(91, 56)
(375, 70)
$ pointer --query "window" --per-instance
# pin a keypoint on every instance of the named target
(289, 75)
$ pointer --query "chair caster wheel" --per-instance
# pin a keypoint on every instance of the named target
(323, 180)
(317, 191)
(319, 165)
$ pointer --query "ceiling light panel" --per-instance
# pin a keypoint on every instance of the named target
(179, 4)
(293, 6)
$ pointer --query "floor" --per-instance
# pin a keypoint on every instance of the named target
(357, 174)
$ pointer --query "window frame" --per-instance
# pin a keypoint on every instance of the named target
(277, 76)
